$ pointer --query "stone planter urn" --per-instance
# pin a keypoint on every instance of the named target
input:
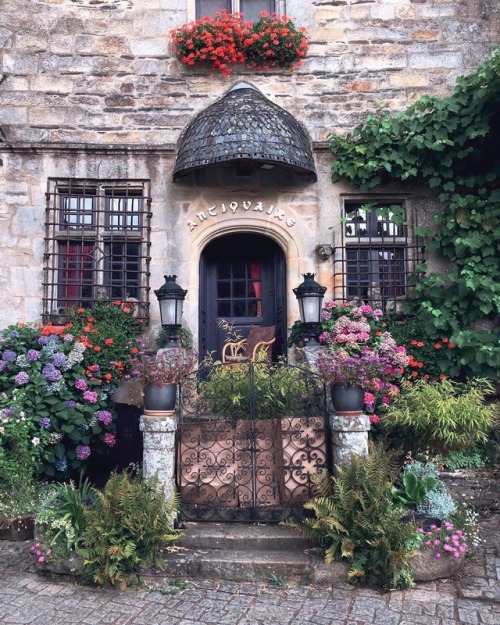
(72, 565)
(17, 528)
(426, 567)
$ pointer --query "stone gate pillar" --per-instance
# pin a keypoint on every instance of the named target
(349, 437)
(159, 449)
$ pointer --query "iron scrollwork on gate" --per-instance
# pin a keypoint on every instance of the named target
(251, 437)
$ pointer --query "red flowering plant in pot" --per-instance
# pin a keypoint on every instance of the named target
(275, 41)
(216, 41)
(227, 39)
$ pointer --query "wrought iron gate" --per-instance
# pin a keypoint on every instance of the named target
(251, 437)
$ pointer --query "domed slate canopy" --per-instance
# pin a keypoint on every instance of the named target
(247, 129)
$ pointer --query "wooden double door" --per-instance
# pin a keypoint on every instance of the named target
(242, 282)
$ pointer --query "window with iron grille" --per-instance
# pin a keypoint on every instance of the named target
(379, 250)
(97, 240)
(249, 8)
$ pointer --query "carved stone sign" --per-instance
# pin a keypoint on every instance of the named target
(231, 208)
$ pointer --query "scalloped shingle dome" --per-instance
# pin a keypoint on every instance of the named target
(244, 125)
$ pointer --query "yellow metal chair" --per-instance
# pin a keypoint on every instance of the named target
(259, 338)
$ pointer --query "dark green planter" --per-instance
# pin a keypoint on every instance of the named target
(160, 398)
(347, 399)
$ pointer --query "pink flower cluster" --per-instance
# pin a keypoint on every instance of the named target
(445, 540)
(39, 552)
(350, 332)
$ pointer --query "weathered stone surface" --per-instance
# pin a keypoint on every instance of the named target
(159, 449)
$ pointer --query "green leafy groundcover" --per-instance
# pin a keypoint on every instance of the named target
(450, 144)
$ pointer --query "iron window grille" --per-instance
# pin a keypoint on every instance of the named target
(249, 8)
(377, 253)
(97, 244)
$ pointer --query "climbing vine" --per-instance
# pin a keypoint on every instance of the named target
(449, 144)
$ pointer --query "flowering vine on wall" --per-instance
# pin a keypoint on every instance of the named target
(226, 40)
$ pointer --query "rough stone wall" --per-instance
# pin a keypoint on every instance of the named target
(101, 71)
(90, 88)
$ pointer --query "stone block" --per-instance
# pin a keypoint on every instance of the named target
(52, 84)
(155, 47)
(382, 61)
(432, 60)
(20, 63)
(327, 13)
(5, 35)
(408, 79)
(13, 115)
(57, 117)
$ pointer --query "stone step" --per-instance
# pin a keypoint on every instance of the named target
(249, 553)
(238, 536)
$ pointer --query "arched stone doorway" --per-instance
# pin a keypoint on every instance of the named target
(242, 281)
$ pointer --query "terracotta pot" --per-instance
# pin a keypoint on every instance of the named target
(347, 399)
(159, 399)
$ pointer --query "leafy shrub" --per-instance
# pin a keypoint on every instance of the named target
(53, 411)
(109, 332)
(472, 458)
(126, 528)
(277, 390)
(442, 416)
(60, 520)
(355, 518)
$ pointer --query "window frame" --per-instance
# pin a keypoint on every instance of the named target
(400, 241)
(80, 216)
(193, 11)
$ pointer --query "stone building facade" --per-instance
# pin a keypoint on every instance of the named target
(92, 113)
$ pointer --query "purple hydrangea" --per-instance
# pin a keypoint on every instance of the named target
(90, 396)
(50, 373)
(22, 378)
(59, 360)
(105, 417)
(81, 385)
(70, 403)
(45, 423)
(68, 338)
(14, 334)
(8, 355)
(43, 340)
(82, 452)
(8, 412)
(33, 354)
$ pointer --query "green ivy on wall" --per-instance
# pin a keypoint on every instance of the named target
(450, 144)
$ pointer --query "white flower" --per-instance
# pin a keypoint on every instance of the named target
(35, 440)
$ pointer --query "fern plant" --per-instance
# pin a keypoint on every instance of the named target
(126, 529)
(355, 518)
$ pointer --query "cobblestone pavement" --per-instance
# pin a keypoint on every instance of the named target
(473, 598)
